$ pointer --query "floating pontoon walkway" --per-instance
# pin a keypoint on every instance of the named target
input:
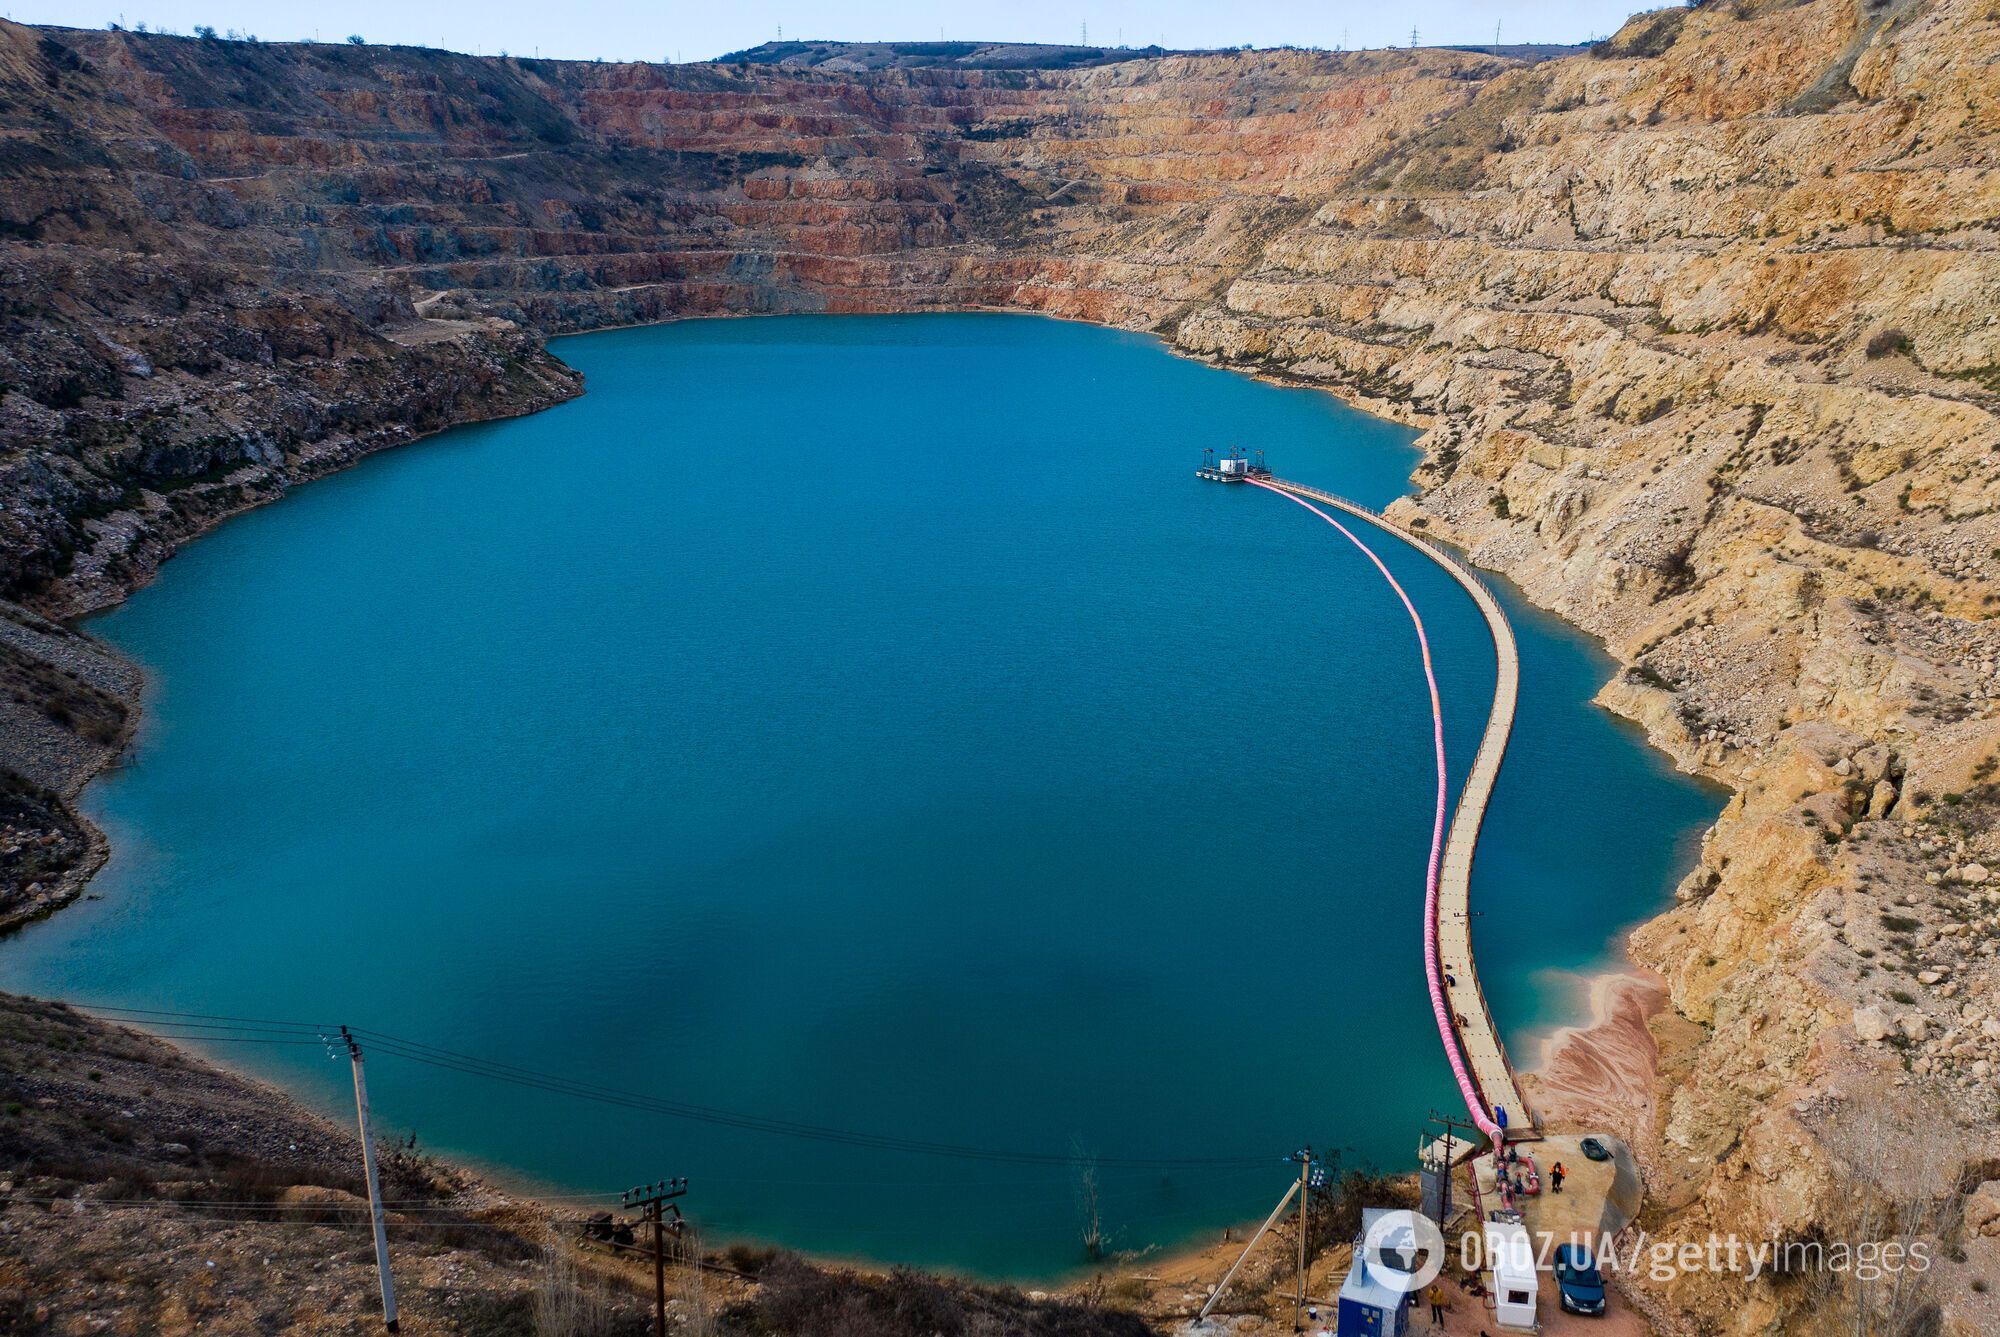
(1476, 1037)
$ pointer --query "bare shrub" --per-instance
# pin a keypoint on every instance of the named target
(1089, 1206)
(801, 1300)
(567, 1303)
(698, 1317)
(1900, 1191)
(1885, 342)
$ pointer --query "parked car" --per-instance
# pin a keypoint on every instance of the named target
(1578, 1281)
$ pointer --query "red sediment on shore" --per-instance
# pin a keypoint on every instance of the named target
(1601, 1076)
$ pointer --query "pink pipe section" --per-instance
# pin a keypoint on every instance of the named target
(1446, 1031)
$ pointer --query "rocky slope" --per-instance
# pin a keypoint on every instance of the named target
(144, 1192)
(1712, 348)
(1702, 323)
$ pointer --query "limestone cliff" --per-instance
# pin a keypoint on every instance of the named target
(1702, 323)
(1707, 322)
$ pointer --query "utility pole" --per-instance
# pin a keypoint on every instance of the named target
(1305, 1159)
(1458, 1133)
(654, 1201)
(374, 1183)
(1235, 1267)
(1413, 37)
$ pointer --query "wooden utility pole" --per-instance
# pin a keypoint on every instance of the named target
(1305, 1160)
(654, 1201)
(1457, 1132)
(374, 1183)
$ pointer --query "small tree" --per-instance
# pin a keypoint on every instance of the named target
(1089, 1206)
(1888, 341)
(356, 39)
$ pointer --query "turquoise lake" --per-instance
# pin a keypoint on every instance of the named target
(868, 722)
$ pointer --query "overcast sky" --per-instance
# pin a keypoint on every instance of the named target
(678, 29)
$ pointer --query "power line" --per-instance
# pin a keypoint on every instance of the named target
(532, 1080)
(330, 1027)
(416, 1219)
(208, 1027)
(411, 1207)
(236, 1039)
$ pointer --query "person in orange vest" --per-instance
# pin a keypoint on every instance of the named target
(1556, 1176)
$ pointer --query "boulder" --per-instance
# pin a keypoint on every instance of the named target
(1699, 882)
(1870, 1024)
(1982, 1209)
(1872, 764)
(1883, 799)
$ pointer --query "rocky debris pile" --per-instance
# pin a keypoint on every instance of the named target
(1936, 978)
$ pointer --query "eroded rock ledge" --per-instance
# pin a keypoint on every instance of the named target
(1702, 325)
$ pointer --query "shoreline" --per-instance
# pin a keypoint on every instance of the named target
(504, 1187)
(1405, 414)
(291, 1233)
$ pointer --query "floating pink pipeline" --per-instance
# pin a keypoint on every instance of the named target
(1447, 1032)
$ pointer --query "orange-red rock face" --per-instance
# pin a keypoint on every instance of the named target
(444, 172)
(364, 189)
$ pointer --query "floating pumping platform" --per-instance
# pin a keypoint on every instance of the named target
(1235, 467)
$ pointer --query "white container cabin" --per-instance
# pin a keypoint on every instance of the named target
(1511, 1259)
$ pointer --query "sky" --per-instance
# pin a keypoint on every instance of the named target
(680, 30)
